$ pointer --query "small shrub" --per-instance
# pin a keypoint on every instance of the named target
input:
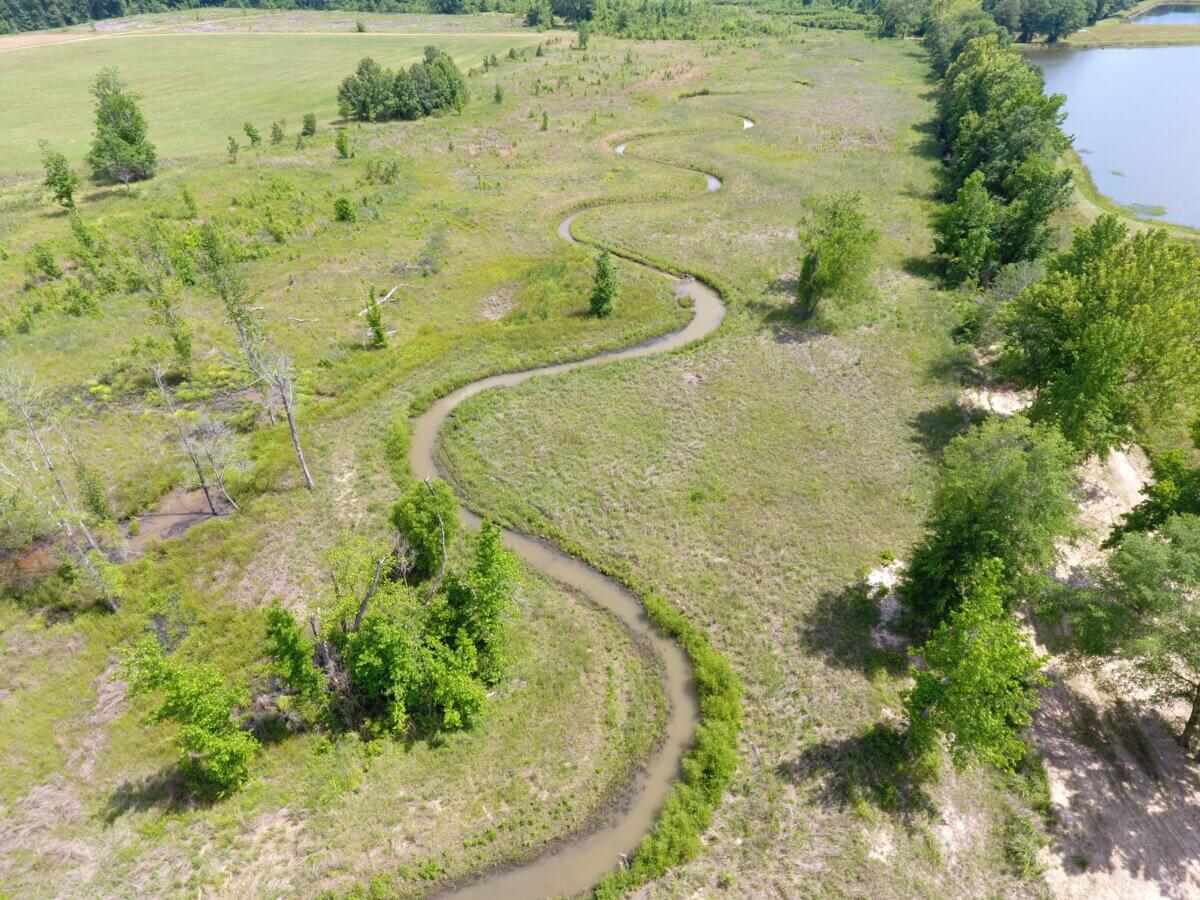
(342, 142)
(310, 125)
(276, 133)
(343, 210)
(232, 149)
(252, 134)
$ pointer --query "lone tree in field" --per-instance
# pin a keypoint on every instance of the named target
(605, 288)
(1111, 337)
(121, 152)
(276, 133)
(61, 180)
(214, 753)
(1003, 493)
(252, 134)
(978, 688)
(839, 253)
(374, 316)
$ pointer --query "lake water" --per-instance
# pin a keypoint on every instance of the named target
(1135, 116)
(1170, 14)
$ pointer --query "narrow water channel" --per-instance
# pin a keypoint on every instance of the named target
(579, 864)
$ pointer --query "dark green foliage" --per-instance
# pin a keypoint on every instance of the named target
(966, 232)
(1111, 337)
(394, 657)
(1003, 493)
(1175, 490)
(41, 259)
(360, 26)
(839, 253)
(1003, 144)
(499, 95)
(214, 752)
(605, 288)
(92, 493)
(121, 151)
(252, 134)
(61, 180)
(545, 120)
(585, 33)
(231, 148)
(539, 14)
(977, 689)
(343, 210)
(427, 518)
(309, 127)
(707, 768)
(374, 94)
(1146, 612)
(291, 651)
(276, 133)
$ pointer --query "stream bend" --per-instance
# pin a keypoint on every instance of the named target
(576, 865)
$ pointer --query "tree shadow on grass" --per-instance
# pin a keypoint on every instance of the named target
(167, 789)
(838, 628)
(869, 768)
(934, 428)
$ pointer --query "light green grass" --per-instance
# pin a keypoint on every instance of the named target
(753, 496)
(199, 88)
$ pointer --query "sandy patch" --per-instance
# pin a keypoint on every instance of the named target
(1001, 401)
(882, 583)
(495, 307)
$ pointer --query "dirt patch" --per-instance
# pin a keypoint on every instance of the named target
(998, 400)
(176, 513)
(882, 583)
(496, 306)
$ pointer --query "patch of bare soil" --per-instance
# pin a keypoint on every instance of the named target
(1126, 797)
(882, 583)
(176, 513)
(999, 400)
(496, 306)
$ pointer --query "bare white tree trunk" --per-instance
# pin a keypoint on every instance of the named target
(184, 437)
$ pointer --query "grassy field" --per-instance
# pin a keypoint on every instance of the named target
(195, 84)
(754, 479)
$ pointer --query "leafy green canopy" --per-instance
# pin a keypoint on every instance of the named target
(121, 151)
(374, 94)
(392, 655)
(977, 689)
(214, 751)
(839, 253)
(1004, 492)
(1111, 337)
(1175, 490)
(1146, 610)
(606, 288)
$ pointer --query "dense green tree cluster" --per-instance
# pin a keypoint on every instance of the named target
(1111, 337)
(1004, 493)
(374, 94)
(839, 253)
(405, 644)
(1003, 143)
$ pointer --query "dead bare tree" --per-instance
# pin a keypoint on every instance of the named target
(214, 441)
(21, 396)
(275, 370)
(193, 453)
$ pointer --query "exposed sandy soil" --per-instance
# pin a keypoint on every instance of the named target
(1126, 796)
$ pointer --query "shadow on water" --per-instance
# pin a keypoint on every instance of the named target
(871, 768)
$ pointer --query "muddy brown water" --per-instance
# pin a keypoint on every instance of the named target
(578, 865)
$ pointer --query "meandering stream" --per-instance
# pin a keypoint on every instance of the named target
(577, 865)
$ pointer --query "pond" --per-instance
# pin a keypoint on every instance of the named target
(1170, 14)
(1135, 118)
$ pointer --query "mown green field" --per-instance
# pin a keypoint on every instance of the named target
(753, 480)
(196, 85)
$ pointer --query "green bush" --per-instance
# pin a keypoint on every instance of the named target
(343, 210)
(427, 517)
